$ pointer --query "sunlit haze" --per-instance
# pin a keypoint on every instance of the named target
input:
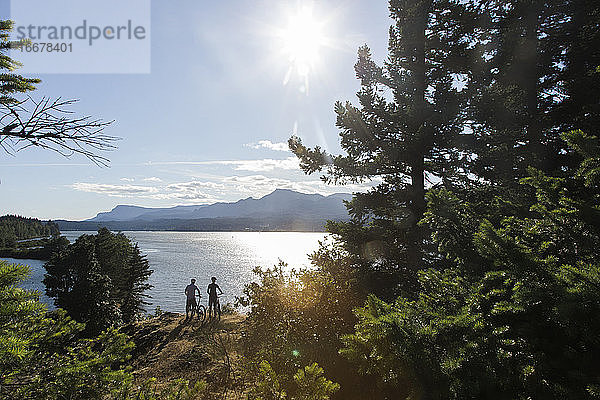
(302, 40)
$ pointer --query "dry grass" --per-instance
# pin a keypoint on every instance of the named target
(169, 348)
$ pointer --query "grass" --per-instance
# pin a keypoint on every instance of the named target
(169, 348)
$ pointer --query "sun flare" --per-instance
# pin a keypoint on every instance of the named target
(302, 39)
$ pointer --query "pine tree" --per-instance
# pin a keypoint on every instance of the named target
(11, 83)
(44, 123)
(406, 130)
(18, 308)
(42, 355)
(100, 280)
(135, 276)
(515, 317)
(534, 79)
(78, 284)
(578, 82)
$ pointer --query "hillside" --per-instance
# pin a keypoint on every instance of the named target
(14, 228)
(168, 348)
(22, 237)
(281, 210)
(279, 203)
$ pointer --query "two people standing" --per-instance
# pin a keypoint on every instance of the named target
(213, 301)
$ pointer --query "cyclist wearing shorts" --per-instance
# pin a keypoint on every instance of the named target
(190, 293)
(212, 296)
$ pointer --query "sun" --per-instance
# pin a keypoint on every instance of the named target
(302, 39)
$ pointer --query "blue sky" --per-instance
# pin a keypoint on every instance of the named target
(207, 124)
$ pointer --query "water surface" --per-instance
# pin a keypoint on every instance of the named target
(176, 257)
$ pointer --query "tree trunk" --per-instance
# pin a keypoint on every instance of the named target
(417, 207)
(421, 148)
(530, 58)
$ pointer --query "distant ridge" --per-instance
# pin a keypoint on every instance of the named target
(283, 209)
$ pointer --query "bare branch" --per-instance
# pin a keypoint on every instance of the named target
(49, 126)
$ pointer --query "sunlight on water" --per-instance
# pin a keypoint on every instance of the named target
(176, 257)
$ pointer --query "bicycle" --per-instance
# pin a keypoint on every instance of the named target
(200, 311)
(217, 306)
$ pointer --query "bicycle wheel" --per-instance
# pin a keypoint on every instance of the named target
(201, 313)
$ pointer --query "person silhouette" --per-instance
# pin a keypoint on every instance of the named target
(190, 303)
(213, 301)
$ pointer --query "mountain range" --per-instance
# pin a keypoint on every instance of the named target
(282, 209)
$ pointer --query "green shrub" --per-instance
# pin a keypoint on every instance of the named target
(297, 318)
(309, 384)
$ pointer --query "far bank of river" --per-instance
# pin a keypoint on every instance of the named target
(176, 257)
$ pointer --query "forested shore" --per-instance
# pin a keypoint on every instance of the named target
(27, 238)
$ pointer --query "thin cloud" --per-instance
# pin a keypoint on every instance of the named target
(289, 163)
(267, 144)
(194, 190)
(197, 191)
(114, 190)
(193, 185)
(266, 164)
(260, 185)
(195, 197)
(152, 179)
(44, 165)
